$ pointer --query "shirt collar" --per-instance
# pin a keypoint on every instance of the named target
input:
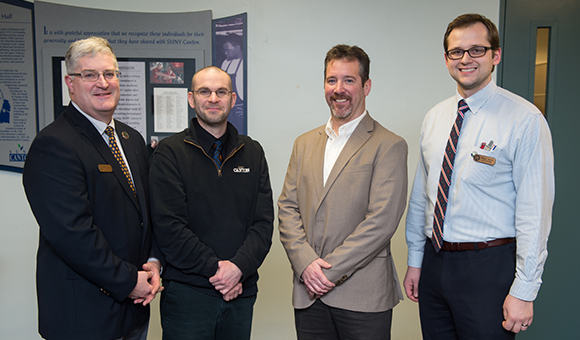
(345, 130)
(99, 125)
(476, 101)
(206, 139)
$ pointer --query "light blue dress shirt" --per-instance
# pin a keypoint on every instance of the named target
(512, 198)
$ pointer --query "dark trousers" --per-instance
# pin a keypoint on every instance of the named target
(461, 293)
(322, 322)
(187, 313)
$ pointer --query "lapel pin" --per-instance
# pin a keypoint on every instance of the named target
(125, 135)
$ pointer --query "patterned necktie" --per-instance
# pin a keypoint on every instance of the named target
(217, 152)
(115, 150)
(445, 176)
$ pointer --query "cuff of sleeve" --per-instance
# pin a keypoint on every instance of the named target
(526, 291)
(415, 259)
(243, 265)
(211, 267)
(122, 291)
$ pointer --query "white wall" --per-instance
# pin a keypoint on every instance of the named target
(287, 42)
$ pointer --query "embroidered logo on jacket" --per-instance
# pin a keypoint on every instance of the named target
(241, 169)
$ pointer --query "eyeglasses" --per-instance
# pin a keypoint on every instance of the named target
(474, 52)
(92, 75)
(221, 93)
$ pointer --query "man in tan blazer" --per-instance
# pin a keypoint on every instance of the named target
(343, 197)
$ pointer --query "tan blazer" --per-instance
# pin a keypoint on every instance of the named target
(350, 221)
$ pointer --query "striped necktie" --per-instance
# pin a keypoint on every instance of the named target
(445, 177)
(117, 153)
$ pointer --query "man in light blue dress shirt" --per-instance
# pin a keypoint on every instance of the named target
(482, 283)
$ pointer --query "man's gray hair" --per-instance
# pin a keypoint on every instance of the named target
(87, 47)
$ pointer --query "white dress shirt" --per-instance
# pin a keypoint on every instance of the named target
(335, 143)
(101, 126)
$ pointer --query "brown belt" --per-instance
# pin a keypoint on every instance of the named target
(459, 246)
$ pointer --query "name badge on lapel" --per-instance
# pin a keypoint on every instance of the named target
(105, 168)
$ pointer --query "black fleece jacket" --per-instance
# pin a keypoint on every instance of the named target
(203, 214)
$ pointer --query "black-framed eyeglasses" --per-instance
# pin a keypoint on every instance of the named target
(221, 93)
(474, 52)
(92, 75)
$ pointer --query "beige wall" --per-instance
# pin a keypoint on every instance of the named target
(287, 42)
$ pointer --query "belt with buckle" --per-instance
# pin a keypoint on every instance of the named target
(460, 246)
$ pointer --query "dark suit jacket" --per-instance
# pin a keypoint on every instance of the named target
(94, 233)
(349, 221)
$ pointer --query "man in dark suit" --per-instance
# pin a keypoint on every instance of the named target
(95, 274)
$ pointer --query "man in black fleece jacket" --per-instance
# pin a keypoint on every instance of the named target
(212, 214)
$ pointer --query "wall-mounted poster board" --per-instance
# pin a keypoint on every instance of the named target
(229, 54)
(17, 84)
(158, 54)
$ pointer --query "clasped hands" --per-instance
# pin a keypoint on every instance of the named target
(227, 280)
(317, 284)
(148, 283)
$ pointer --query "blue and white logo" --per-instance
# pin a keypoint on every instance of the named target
(18, 156)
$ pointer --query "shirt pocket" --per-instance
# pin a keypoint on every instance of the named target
(479, 173)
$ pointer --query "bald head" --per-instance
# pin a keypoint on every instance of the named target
(211, 73)
(212, 98)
